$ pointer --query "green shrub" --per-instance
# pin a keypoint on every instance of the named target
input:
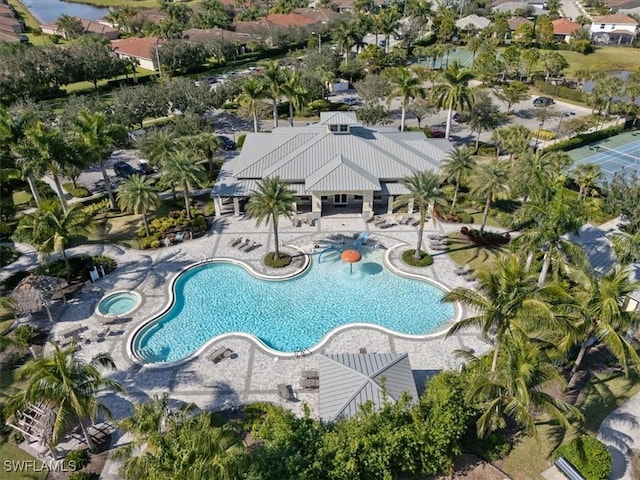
(283, 261)
(424, 261)
(588, 455)
(492, 447)
(545, 135)
(108, 263)
(465, 217)
(83, 476)
(584, 139)
(487, 151)
(145, 242)
(24, 333)
(559, 91)
(8, 255)
(229, 106)
(79, 192)
(240, 141)
(77, 459)
(16, 437)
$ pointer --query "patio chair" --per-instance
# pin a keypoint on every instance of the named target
(463, 270)
(404, 220)
(179, 237)
(235, 241)
(310, 383)
(310, 374)
(372, 218)
(285, 392)
(244, 245)
(220, 354)
(252, 247)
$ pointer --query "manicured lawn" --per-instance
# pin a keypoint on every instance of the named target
(21, 197)
(11, 453)
(463, 253)
(603, 59)
(29, 20)
(87, 87)
(477, 218)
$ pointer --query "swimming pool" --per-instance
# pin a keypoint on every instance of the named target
(118, 303)
(292, 315)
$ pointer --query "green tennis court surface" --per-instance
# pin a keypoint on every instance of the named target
(615, 154)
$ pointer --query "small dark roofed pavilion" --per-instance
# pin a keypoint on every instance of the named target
(348, 380)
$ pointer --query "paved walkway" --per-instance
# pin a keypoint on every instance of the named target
(254, 373)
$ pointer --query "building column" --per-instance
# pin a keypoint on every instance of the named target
(316, 204)
(390, 205)
(367, 204)
(217, 205)
(236, 206)
(294, 206)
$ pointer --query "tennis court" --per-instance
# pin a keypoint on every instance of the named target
(615, 154)
(464, 57)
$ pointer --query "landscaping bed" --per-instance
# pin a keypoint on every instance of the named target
(485, 238)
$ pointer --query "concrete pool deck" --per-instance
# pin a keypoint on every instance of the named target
(253, 373)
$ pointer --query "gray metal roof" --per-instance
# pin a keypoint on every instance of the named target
(341, 174)
(393, 189)
(474, 20)
(338, 118)
(597, 246)
(348, 380)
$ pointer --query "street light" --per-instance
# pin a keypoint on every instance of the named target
(319, 41)
(158, 59)
(535, 148)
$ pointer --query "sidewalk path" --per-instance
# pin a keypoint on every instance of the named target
(620, 431)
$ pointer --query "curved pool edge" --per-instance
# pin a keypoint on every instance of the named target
(135, 358)
(259, 343)
(140, 296)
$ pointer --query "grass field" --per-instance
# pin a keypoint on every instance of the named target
(29, 20)
(603, 59)
(11, 453)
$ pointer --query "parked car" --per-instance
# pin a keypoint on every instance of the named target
(437, 133)
(351, 101)
(457, 117)
(124, 170)
(543, 102)
(227, 143)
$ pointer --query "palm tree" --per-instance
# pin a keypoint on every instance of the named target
(71, 27)
(138, 196)
(389, 21)
(96, 138)
(586, 176)
(343, 36)
(454, 92)
(519, 388)
(158, 149)
(273, 79)
(538, 174)
(550, 219)
(208, 145)
(180, 169)
(253, 91)
(458, 163)
(43, 148)
(407, 86)
(8, 303)
(507, 302)
(295, 90)
(51, 229)
(68, 383)
(423, 190)
(626, 247)
(601, 313)
(271, 199)
(513, 139)
(607, 88)
(492, 182)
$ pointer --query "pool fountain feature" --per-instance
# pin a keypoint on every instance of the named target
(351, 257)
(118, 303)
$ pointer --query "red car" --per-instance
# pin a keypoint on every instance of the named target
(437, 133)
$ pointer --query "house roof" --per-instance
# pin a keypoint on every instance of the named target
(564, 26)
(312, 158)
(136, 47)
(289, 20)
(474, 20)
(9, 21)
(319, 15)
(201, 35)
(89, 26)
(617, 19)
(350, 379)
(515, 22)
(622, 4)
(597, 246)
(9, 36)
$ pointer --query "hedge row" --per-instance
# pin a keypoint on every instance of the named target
(560, 91)
(584, 139)
(588, 455)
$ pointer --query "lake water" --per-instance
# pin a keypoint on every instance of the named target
(49, 10)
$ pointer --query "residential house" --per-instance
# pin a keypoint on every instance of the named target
(515, 22)
(204, 35)
(6, 11)
(517, 7)
(319, 15)
(334, 165)
(11, 24)
(563, 29)
(273, 23)
(617, 29)
(142, 51)
(10, 37)
(473, 23)
(89, 27)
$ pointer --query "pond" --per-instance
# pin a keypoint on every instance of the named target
(49, 10)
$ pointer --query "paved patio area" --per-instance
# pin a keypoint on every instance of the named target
(253, 373)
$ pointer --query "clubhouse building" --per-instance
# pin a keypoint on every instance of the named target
(334, 166)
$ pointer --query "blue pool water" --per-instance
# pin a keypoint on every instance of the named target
(291, 315)
(118, 303)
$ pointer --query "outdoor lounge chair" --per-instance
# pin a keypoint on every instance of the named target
(404, 220)
(285, 392)
(220, 354)
(462, 270)
(252, 247)
(244, 245)
(235, 241)
(179, 237)
(310, 383)
(310, 374)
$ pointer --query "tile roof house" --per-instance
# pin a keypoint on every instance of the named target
(267, 26)
(319, 15)
(334, 164)
(203, 35)
(90, 27)
(10, 37)
(563, 29)
(349, 380)
(614, 29)
(473, 22)
(11, 24)
(141, 50)
(515, 22)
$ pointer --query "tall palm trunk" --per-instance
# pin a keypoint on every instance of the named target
(256, 122)
(404, 114)
(423, 217)
(86, 434)
(545, 266)
(275, 114)
(477, 141)
(290, 113)
(455, 194)
(494, 363)
(60, 192)
(449, 115)
(527, 265)
(276, 250)
(485, 214)
(579, 358)
(34, 190)
(145, 223)
(67, 265)
(107, 185)
(186, 200)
